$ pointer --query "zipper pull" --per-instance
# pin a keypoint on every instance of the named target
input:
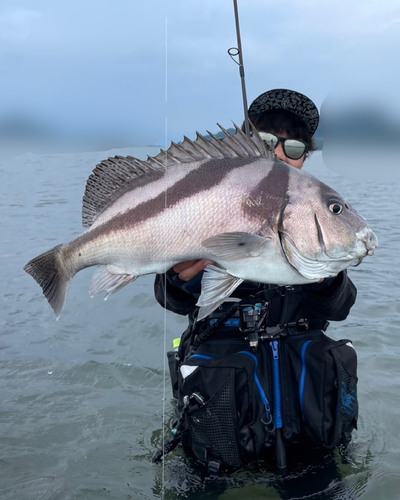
(253, 340)
(268, 422)
(274, 346)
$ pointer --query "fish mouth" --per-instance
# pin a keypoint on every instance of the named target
(367, 238)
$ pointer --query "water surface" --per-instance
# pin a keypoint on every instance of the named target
(82, 399)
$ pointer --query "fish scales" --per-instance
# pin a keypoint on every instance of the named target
(205, 177)
(184, 216)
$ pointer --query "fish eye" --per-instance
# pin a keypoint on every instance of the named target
(336, 208)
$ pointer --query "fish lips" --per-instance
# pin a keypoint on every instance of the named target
(367, 240)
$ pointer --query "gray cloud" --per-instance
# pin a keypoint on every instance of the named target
(361, 113)
(105, 68)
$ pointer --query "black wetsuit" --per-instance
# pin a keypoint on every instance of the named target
(330, 300)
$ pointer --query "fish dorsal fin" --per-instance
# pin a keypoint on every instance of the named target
(231, 146)
(106, 180)
(111, 177)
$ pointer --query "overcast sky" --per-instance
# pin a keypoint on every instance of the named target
(148, 71)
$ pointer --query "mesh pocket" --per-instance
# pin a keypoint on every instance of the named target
(326, 375)
(347, 406)
(212, 427)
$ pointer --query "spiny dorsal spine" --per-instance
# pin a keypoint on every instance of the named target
(113, 176)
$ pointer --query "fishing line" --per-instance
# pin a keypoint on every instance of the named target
(165, 270)
(232, 52)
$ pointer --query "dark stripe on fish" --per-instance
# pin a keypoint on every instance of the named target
(135, 184)
(207, 176)
(267, 200)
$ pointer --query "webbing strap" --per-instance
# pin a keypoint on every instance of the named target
(208, 332)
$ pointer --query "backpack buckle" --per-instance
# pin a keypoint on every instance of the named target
(213, 467)
(252, 321)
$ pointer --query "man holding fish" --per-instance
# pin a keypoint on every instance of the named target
(286, 121)
(254, 371)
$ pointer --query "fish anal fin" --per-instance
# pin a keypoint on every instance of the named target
(105, 281)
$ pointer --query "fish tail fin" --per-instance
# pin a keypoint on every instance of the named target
(48, 272)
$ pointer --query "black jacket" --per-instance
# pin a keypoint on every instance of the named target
(330, 300)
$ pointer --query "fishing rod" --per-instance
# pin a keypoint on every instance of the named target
(280, 452)
(234, 52)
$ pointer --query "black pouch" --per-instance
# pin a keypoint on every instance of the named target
(325, 375)
(173, 365)
(175, 358)
(227, 395)
(226, 402)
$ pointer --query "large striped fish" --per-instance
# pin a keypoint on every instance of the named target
(227, 200)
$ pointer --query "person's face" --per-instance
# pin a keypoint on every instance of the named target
(280, 154)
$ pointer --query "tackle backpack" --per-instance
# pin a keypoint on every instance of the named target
(237, 404)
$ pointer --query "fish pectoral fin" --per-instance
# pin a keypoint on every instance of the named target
(216, 286)
(106, 281)
(237, 245)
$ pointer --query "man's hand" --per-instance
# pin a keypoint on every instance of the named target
(188, 270)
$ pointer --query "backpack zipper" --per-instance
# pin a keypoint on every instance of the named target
(280, 451)
(303, 374)
(259, 386)
(200, 356)
(277, 386)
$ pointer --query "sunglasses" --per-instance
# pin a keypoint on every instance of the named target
(292, 148)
